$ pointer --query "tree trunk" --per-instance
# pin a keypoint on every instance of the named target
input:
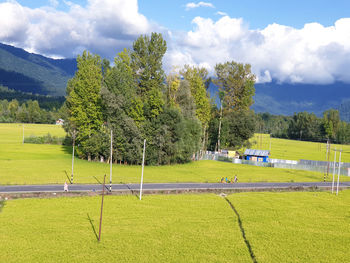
(204, 136)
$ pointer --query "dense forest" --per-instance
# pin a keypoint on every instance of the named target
(26, 112)
(16, 106)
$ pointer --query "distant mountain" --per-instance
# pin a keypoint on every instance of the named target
(289, 98)
(28, 72)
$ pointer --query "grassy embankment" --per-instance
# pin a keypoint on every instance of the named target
(279, 227)
(296, 150)
(41, 164)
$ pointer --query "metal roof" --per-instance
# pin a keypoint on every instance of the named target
(257, 152)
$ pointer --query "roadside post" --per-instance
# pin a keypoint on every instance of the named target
(339, 170)
(334, 162)
(143, 165)
(71, 178)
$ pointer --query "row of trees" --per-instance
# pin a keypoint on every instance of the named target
(306, 126)
(27, 112)
(136, 100)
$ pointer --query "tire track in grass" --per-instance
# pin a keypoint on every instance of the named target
(240, 224)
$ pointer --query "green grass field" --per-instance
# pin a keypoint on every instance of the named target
(42, 164)
(296, 150)
(280, 227)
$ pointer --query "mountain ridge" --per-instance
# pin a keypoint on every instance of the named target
(28, 72)
(37, 74)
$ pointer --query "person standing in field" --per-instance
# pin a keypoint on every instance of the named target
(236, 179)
(65, 186)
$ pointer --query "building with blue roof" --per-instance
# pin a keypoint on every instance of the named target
(257, 155)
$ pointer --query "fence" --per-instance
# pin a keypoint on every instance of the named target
(306, 165)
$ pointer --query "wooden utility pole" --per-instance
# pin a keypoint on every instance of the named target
(219, 133)
(327, 150)
(329, 154)
(334, 162)
(103, 195)
(339, 170)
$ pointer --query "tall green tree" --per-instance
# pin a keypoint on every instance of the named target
(146, 61)
(123, 109)
(84, 100)
(331, 123)
(237, 128)
(237, 82)
(196, 77)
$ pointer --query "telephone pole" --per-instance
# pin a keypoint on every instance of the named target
(143, 165)
(71, 179)
(111, 161)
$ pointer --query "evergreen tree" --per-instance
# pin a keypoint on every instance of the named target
(84, 100)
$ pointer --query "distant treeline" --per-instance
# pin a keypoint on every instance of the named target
(26, 112)
(50, 103)
(305, 126)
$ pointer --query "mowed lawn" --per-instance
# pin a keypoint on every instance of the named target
(51, 164)
(279, 227)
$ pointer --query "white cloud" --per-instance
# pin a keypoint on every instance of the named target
(192, 5)
(220, 13)
(54, 3)
(312, 54)
(103, 27)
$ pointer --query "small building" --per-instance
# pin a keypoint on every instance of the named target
(257, 155)
(59, 122)
(233, 154)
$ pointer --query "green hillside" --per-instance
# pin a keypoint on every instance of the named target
(26, 72)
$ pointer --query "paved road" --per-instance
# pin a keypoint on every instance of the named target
(164, 186)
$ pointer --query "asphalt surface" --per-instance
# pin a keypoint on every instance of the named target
(165, 187)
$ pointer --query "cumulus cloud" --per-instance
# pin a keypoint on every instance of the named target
(199, 4)
(102, 26)
(312, 54)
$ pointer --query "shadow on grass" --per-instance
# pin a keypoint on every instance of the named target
(242, 231)
(99, 182)
(67, 176)
(92, 226)
(133, 192)
(67, 149)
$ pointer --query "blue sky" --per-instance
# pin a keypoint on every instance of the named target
(257, 13)
(288, 41)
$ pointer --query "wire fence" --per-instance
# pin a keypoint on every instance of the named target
(306, 165)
